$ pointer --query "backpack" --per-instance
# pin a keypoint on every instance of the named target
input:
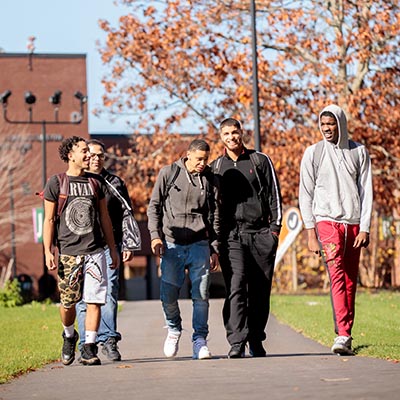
(131, 238)
(319, 148)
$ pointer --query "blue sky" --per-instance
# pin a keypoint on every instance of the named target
(63, 26)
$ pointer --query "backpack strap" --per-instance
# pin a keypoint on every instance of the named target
(63, 193)
(255, 160)
(175, 169)
(355, 152)
(118, 195)
(95, 184)
(216, 165)
(355, 149)
(319, 148)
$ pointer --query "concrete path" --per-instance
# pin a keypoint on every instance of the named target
(296, 368)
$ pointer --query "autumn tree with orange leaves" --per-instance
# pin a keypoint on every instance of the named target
(183, 66)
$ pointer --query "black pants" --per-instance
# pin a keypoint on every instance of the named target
(247, 263)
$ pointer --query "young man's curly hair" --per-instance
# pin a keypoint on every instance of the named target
(67, 145)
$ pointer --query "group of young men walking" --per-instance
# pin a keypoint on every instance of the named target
(200, 217)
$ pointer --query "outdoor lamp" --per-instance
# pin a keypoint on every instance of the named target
(30, 98)
(82, 98)
(56, 98)
(4, 96)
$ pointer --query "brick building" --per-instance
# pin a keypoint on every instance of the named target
(21, 152)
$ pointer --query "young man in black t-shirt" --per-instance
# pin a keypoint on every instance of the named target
(83, 229)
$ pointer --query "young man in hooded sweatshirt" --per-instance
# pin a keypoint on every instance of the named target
(184, 223)
(335, 199)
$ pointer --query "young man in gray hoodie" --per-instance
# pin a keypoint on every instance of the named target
(335, 199)
(183, 220)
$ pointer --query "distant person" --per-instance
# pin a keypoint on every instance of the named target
(48, 287)
(336, 205)
(118, 200)
(78, 230)
(251, 220)
(183, 224)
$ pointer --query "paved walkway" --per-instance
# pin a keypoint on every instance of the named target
(296, 368)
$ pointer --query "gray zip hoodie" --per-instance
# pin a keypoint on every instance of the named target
(341, 191)
(190, 212)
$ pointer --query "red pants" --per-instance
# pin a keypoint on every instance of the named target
(342, 261)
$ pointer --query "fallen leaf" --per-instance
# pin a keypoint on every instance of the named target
(335, 379)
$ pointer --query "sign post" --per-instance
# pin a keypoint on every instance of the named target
(292, 225)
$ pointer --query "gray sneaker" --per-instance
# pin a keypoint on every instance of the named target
(342, 346)
(110, 349)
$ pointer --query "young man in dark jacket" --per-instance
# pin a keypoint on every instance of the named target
(183, 225)
(115, 192)
(250, 225)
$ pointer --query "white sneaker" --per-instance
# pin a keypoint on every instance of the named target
(342, 346)
(200, 349)
(171, 344)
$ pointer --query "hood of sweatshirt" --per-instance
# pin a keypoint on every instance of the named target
(343, 141)
(191, 175)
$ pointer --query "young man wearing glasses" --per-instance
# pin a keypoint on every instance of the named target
(107, 335)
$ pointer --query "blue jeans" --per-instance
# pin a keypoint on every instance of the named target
(108, 322)
(196, 259)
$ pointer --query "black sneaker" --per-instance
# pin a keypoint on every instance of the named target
(68, 349)
(256, 349)
(110, 349)
(237, 350)
(89, 355)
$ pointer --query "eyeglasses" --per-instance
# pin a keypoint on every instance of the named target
(100, 156)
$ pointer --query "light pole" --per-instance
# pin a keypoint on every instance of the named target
(12, 218)
(256, 104)
(55, 99)
(30, 100)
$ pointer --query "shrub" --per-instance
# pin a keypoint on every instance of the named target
(10, 295)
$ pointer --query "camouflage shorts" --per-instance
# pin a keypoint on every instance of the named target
(84, 277)
(70, 279)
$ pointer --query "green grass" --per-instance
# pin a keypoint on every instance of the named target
(29, 338)
(376, 330)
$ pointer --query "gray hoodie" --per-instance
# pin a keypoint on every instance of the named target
(342, 190)
(190, 212)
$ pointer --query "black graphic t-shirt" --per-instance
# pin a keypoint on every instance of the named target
(78, 230)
